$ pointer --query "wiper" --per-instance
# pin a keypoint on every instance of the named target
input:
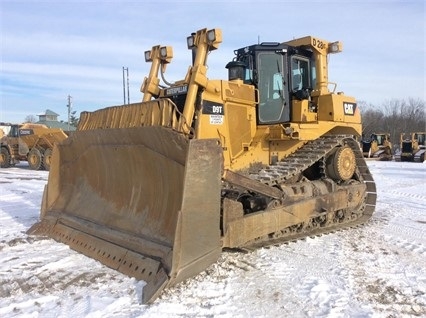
(280, 93)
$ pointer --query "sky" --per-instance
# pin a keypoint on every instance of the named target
(54, 49)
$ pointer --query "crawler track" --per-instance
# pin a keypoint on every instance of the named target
(311, 153)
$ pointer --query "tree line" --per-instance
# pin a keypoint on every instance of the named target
(394, 116)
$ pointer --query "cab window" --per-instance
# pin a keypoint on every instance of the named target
(300, 74)
(271, 87)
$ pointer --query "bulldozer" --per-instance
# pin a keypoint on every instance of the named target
(28, 142)
(158, 189)
(377, 147)
(413, 147)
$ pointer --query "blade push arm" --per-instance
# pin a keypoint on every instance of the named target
(202, 42)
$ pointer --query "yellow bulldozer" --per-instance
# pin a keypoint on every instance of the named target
(28, 142)
(377, 147)
(413, 147)
(157, 189)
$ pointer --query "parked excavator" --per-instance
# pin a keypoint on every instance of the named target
(157, 189)
(413, 147)
(377, 147)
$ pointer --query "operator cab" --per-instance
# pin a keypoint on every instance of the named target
(279, 72)
(380, 139)
(421, 139)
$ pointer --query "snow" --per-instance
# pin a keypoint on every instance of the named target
(375, 270)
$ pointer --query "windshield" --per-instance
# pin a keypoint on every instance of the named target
(14, 131)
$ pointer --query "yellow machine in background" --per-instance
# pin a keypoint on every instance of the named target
(377, 147)
(157, 189)
(413, 147)
(28, 142)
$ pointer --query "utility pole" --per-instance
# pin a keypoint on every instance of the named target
(128, 95)
(126, 70)
(69, 111)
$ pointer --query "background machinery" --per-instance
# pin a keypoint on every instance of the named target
(12, 149)
(28, 142)
(378, 147)
(413, 147)
(157, 189)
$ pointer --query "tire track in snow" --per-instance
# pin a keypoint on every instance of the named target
(383, 260)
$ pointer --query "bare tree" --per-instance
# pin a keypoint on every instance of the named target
(30, 119)
(371, 119)
(417, 114)
(394, 116)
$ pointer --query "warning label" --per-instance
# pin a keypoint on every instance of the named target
(216, 119)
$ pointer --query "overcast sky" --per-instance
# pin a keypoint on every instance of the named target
(52, 49)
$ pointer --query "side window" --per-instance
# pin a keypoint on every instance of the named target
(248, 78)
(14, 131)
(313, 76)
(248, 70)
(300, 73)
(420, 138)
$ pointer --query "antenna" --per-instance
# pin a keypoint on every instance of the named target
(128, 95)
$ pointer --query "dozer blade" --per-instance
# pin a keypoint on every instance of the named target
(144, 201)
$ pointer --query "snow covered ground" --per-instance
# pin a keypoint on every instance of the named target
(377, 270)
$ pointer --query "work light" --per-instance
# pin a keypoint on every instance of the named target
(148, 56)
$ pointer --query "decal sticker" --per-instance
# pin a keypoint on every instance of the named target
(318, 43)
(216, 119)
(349, 108)
(23, 132)
(216, 112)
(210, 108)
(178, 90)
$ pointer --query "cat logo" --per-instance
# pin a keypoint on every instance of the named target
(349, 108)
